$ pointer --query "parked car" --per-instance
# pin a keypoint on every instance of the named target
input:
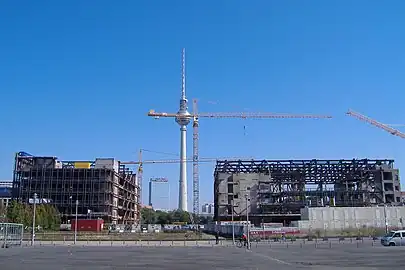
(394, 238)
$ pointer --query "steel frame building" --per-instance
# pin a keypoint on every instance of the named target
(107, 192)
(283, 187)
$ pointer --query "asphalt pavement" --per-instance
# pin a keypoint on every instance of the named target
(264, 255)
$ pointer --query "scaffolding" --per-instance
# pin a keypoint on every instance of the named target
(283, 187)
(104, 188)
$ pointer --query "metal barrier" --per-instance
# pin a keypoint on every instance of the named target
(11, 234)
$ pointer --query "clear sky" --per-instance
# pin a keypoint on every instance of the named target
(78, 77)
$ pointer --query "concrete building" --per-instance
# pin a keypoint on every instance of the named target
(403, 196)
(5, 192)
(277, 190)
(104, 188)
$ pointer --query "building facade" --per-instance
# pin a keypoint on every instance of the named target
(102, 188)
(277, 190)
(5, 192)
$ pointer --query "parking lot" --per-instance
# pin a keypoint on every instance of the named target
(265, 255)
(365, 254)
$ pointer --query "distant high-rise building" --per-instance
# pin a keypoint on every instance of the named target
(211, 208)
(207, 209)
(204, 208)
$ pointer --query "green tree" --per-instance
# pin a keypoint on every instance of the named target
(3, 212)
(180, 216)
(26, 214)
(52, 217)
(16, 212)
(163, 218)
(148, 216)
(47, 216)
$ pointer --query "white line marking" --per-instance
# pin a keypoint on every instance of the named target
(269, 258)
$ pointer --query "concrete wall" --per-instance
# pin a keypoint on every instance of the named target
(243, 184)
(343, 218)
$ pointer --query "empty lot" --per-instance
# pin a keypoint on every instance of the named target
(278, 256)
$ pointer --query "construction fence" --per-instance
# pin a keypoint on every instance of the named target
(11, 234)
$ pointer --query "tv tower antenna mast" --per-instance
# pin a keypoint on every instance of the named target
(183, 119)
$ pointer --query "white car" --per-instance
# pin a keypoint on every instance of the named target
(394, 238)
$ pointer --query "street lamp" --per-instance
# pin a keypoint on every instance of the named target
(33, 220)
(247, 221)
(75, 239)
(233, 225)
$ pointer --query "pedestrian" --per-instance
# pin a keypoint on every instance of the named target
(244, 239)
(217, 238)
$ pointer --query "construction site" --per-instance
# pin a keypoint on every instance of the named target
(102, 188)
(277, 190)
(258, 190)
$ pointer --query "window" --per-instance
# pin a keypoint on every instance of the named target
(230, 188)
(387, 175)
(397, 234)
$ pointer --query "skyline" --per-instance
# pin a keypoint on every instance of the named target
(78, 80)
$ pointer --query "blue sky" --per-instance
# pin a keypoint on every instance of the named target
(78, 77)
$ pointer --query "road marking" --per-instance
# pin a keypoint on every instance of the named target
(270, 258)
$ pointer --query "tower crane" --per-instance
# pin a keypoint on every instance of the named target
(373, 122)
(195, 116)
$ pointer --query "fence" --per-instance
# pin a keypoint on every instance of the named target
(11, 234)
(127, 236)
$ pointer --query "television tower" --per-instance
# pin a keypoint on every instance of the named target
(183, 119)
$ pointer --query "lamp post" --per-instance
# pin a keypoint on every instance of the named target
(233, 225)
(247, 221)
(33, 219)
(77, 205)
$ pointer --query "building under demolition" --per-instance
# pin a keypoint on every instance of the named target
(104, 188)
(276, 190)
